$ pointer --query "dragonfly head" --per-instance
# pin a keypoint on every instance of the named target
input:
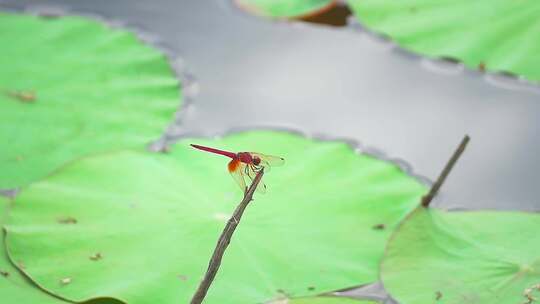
(256, 161)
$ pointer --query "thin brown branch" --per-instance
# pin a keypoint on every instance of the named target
(223, 242)
(426, 199)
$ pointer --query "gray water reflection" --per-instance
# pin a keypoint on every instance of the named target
(345, 82)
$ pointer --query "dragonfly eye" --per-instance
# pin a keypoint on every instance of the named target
(256, 161)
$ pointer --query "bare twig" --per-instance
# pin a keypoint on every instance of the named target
(426, 199)
(224, 241)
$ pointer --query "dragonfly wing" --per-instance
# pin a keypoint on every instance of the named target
(269, 160)
(237, 169)
(261, 187)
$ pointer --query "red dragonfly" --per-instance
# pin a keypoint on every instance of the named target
(246, 164)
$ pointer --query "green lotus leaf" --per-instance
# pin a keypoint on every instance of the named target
(326, 300)
(141, 227)
(285, 8)
(494, 35)
(14, 287)
(70, 87)
(463, 257)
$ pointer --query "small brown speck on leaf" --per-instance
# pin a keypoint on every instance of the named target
(96, 256)
(412, 9)
(164, 149)
(311, 288)
(23, 96)
(4, 273)
(67, 220)
(281, 292)
(65, 281)
(379, 227)
(182, 277)
(21, 265)
(482, 66)
(438, 295)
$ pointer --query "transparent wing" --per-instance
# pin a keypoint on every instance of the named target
(261, 188)
(237, 169)
(269, 160)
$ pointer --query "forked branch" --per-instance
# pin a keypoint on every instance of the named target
(223, 242)
(426, 199)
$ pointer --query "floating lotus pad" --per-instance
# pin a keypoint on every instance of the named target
(14, 287)
(463, 257)
(154, 219)
(496, 35)
(70, 87)
(285, 8)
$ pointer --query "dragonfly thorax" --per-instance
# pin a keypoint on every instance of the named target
(245, 157)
